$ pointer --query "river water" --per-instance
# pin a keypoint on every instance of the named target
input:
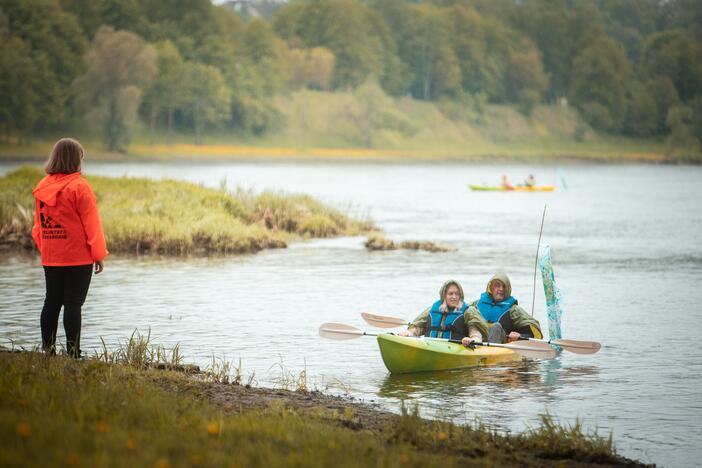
(627, 251)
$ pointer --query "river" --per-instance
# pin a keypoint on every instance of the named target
(627, 252)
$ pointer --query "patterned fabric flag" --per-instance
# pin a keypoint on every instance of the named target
(552, 293)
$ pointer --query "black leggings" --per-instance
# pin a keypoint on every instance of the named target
(66, 286)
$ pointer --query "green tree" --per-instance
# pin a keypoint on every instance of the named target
(484, 47)
(346, 27)
(436, 65)
(56, 47)
(674, 55)
(119, 66)
(164, 94)
(206, 98)
(21, 79)
(601, 77)
(664, 94)
(642, 116)
(526, 80)
(262, 50)
(309, 68)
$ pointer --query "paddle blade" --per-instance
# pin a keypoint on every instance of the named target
(382, 321)
(339, 331)
(532, 349)
(578, 346)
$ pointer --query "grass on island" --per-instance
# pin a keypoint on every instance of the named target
(114, 410)
(170, 217)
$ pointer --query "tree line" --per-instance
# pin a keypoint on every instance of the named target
(630, 67)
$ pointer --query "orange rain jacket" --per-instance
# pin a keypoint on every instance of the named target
(67, 227)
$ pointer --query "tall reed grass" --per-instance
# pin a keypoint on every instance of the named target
(171, 217)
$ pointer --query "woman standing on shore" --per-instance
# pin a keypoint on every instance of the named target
(68, 233)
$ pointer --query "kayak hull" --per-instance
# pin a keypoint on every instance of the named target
(406, 354)
(517, 188)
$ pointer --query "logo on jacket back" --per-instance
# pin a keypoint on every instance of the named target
(50, 229)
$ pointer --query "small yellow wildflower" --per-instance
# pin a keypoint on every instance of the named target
(163, 463)
(213, 428)
(24, 430)
(23, 402)
(131, 444)
(441, 435)
(102, 426)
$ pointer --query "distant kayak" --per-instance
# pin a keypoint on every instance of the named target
(516, 188)
(404, 354)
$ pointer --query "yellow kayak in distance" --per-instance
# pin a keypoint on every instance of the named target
(406, 354)
(516, 188)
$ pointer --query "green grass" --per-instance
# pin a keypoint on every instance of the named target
(325, 126)
(61, 412)
(171, 217)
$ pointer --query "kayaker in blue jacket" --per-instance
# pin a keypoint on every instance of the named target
(507, 320)
(449, 317)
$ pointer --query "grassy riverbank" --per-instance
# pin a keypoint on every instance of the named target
(335, 126)
(171, 217)
(59, 412)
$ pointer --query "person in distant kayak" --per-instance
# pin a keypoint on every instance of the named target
(530, 181)
(507, 321)
(449, 318)
(68, 233)
(505, 183)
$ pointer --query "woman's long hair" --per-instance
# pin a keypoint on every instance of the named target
(65, 158)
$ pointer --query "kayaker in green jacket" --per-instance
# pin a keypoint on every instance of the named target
(507, 320)
(449, 317)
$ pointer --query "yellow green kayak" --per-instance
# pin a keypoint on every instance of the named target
(405, 354)
(516, 188)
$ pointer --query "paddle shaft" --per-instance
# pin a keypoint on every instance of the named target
(340, 331)
(574, 346)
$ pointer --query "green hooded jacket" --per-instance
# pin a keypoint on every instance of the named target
(520, 317)
(471, 318)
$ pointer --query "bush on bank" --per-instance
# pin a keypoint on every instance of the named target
(172, 217)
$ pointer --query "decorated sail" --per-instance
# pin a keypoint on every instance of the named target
(552, 293)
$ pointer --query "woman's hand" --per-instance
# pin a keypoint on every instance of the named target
(99, 266)
(407, 333)
(513, 336)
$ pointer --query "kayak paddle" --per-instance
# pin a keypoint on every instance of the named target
(382, 321)
(574, 346)
(534, 350)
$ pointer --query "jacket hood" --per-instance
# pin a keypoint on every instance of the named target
(505, 280)
(50, 186)
(444, 288)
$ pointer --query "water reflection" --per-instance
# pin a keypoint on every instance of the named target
(505, 382)
(448, 384)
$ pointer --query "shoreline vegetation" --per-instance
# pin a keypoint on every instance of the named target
(179, 218)
(315, 130)
(118, 408)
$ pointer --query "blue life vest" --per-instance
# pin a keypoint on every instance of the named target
(493, 311)
(446, 330)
